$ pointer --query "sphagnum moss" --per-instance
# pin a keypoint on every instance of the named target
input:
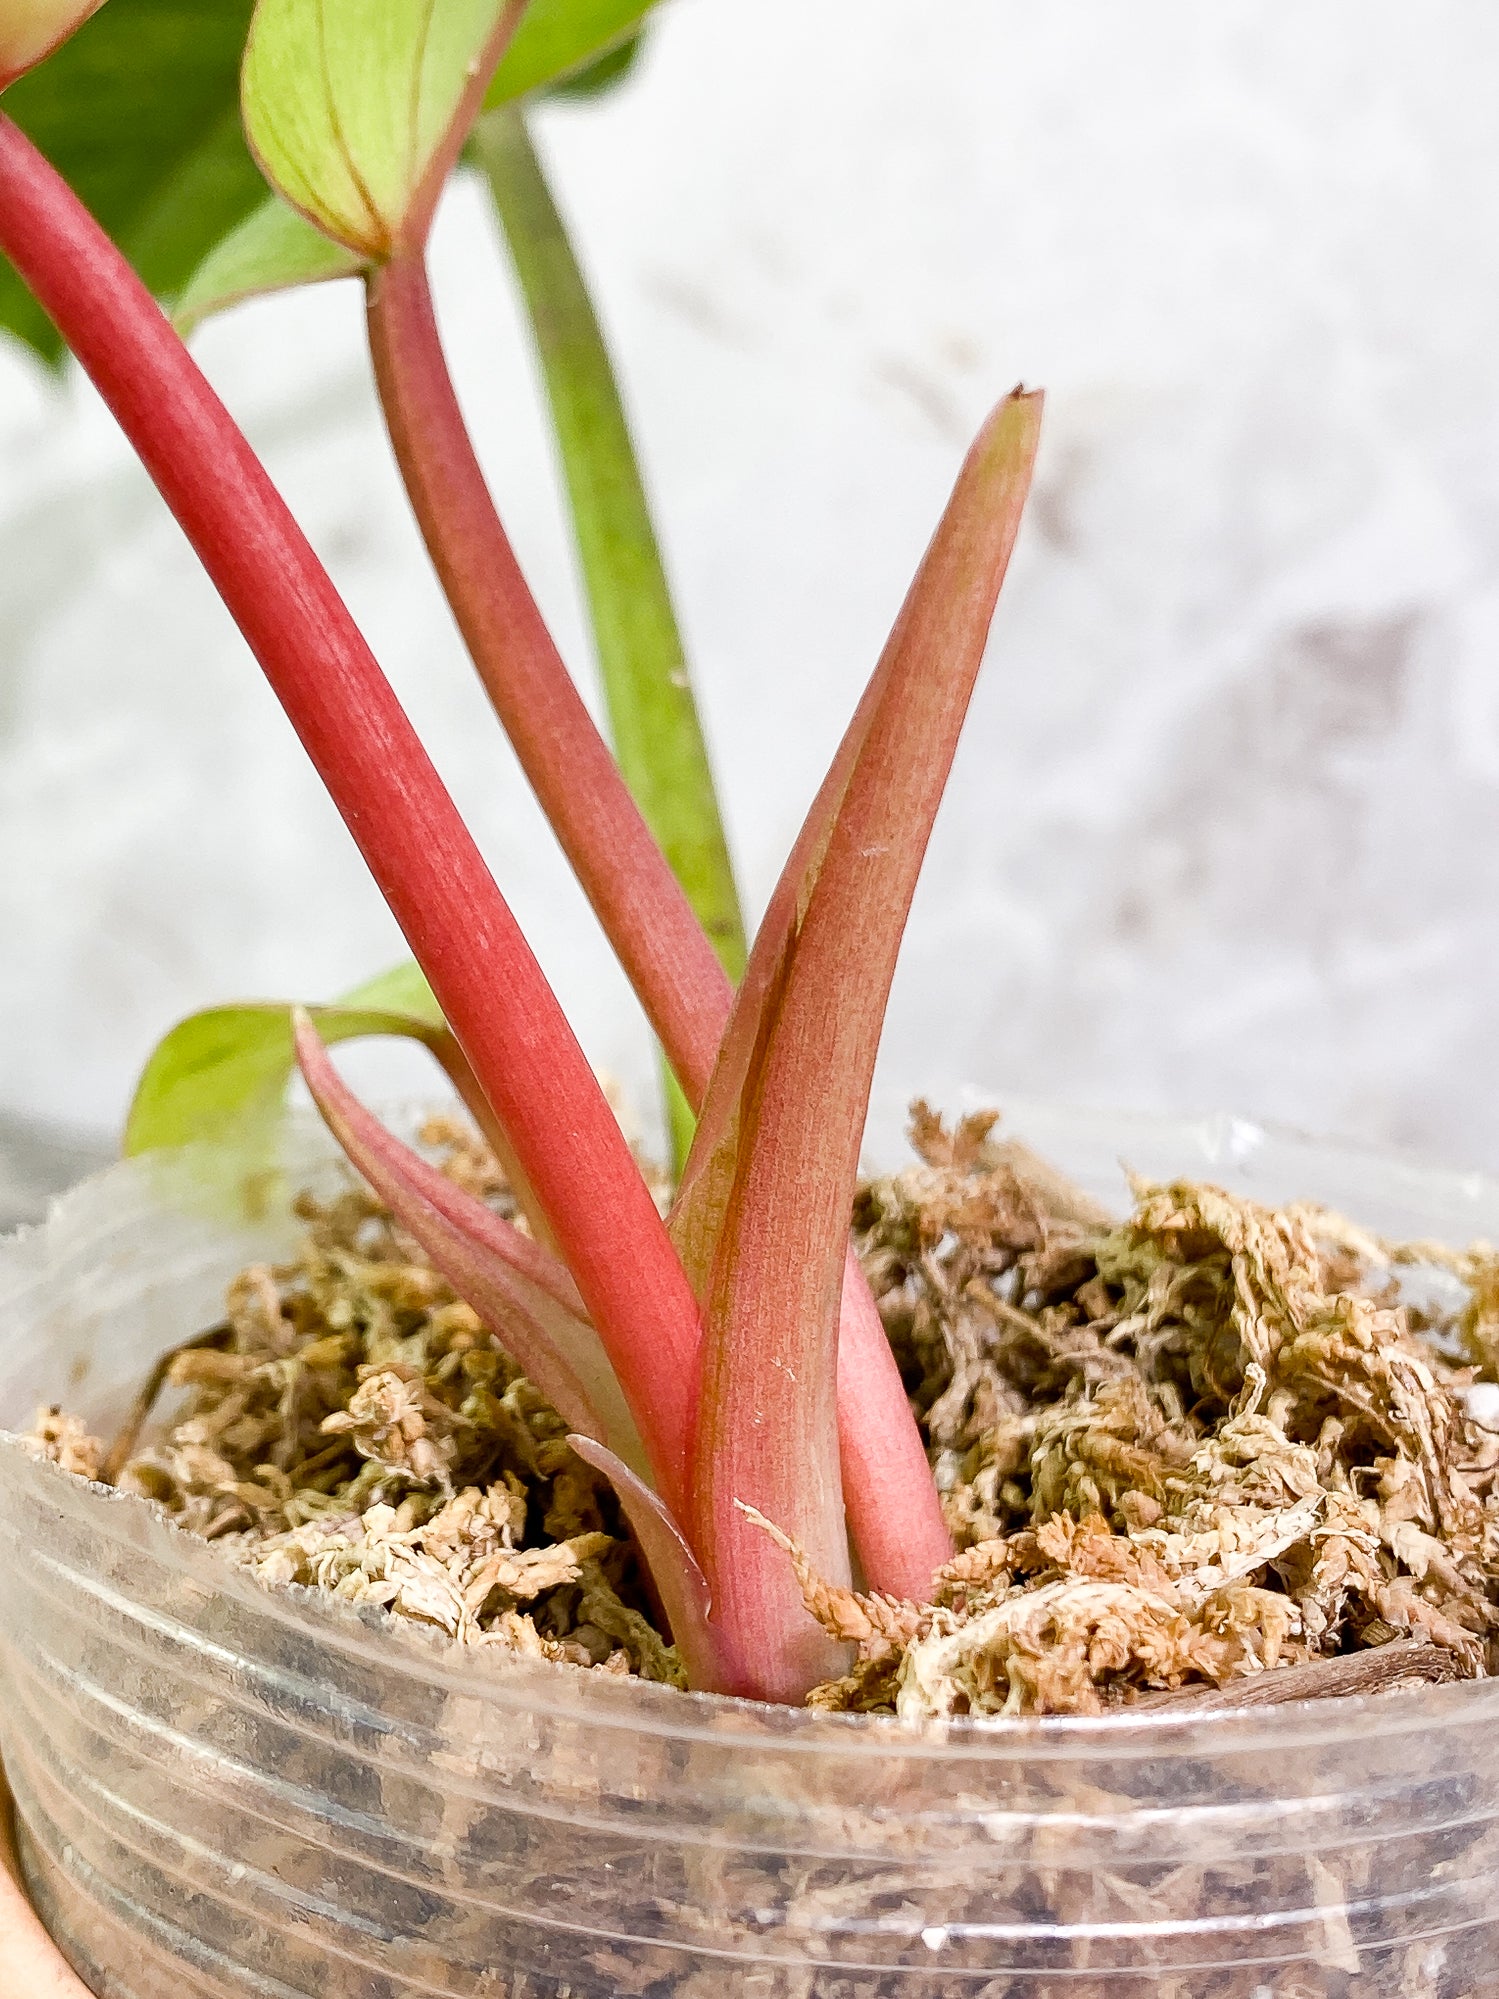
(357, 1429)
(1177, 1453)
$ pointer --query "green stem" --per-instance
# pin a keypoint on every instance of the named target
(653, 718)
(681, 1119)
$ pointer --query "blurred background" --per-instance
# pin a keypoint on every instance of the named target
(1223, 830)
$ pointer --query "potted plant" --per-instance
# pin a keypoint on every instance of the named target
(273, 1790)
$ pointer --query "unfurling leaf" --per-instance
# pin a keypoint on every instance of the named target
(764, 1214)
(32, 29)
(356, 109)
(273, 250)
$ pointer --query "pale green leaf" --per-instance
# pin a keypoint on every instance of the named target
(140, 113)
(272, 250)
(403, 989)
(222, 1074)
(350, 105)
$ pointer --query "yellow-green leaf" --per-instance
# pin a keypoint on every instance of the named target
(403, 989)
(222, 1074)
(355, 107)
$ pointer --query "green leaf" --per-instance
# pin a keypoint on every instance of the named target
(603, 73)
(558, 38)
(403, 989)
(222, 1074)
(653, 717)
(31, 29)
(273, 250)
(355, 108)
(140, 113)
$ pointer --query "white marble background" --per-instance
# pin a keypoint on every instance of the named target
(1224, 830)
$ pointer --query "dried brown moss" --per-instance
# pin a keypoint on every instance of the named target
(354, 1427)
(1175, 1452)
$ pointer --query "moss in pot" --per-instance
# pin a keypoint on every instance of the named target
(309, 1790)
(1205, 1444)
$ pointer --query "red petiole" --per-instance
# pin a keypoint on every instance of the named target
(424, 860)
(892, 1505)
(735, 1356)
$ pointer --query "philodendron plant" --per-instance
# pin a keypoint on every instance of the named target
(725, 1365)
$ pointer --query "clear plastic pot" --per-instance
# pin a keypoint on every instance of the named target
(230, 1793)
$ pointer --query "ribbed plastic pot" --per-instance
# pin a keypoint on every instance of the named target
(229, 1793)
